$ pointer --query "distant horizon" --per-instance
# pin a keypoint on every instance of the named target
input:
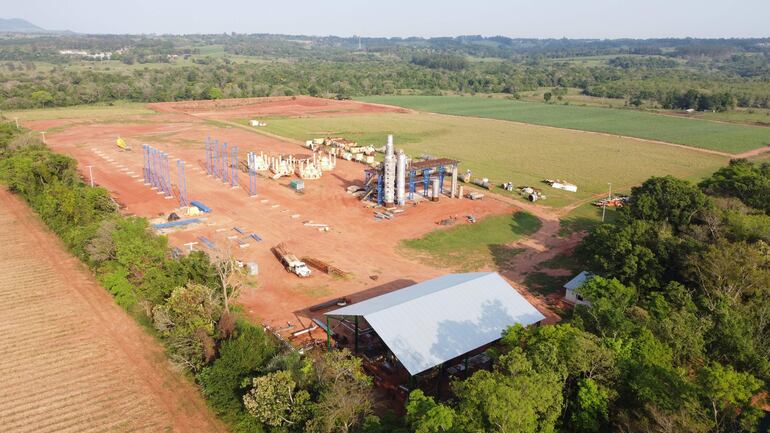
(516, 19)
(341, 36)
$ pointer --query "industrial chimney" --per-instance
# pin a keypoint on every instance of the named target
(389, 166)
(401, 178)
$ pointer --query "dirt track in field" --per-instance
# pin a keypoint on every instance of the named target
(273, 106)
(73, 361)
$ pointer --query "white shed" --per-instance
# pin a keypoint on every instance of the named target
(572, 288)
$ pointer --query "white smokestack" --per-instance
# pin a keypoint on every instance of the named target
(389, 173)
(401, 178)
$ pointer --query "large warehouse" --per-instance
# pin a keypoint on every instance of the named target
(436, 321)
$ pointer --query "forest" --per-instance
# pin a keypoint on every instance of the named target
(712, 75)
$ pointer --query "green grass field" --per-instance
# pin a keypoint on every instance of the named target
(515, 152)
(115, 110)
(468, 247)
(730, 138)
(586, 217)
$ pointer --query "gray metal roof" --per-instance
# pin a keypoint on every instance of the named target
(429, 323)
(578, 281)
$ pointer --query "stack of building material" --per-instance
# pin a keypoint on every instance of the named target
(258, 162)
(309, 170)
(282, 167)
(325, 267)
(327, 162)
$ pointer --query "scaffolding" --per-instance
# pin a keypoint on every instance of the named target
(182, 180)
(215, 158)
(209, 156)
(223, 158)
(156, 170)
(234, 167)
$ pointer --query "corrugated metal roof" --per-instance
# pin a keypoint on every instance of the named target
(578, 281)
(429, 323)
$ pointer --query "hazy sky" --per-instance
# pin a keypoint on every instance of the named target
(514, 18)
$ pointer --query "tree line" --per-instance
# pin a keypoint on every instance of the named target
(28, 87)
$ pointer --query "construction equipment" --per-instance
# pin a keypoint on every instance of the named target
(615, 201)
(122, 144)
(290, 261)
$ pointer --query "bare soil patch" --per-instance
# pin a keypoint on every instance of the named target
(73, 361)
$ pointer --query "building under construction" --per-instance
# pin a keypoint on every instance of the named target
(396, 180)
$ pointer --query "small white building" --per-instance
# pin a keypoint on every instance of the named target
(572, 288)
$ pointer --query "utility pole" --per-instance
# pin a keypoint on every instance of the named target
(16, 119)
(609, 196)
(43, 134)
(91, 175)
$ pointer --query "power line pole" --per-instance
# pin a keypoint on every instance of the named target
(91, 175)
(609, 196)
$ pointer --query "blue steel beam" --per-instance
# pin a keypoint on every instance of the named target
(224, 162)
(380, 188)
(145, 164)
(183, 202)
(207, 145)
(215, 159)
(167, 176)
(234, 165)
(412, 173)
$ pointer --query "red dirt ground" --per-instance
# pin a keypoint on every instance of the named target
(356, 243)
(273, 106)
(73, 361)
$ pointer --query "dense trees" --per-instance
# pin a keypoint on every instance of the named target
(335, 66)
(675, 337)
(744, 180)
(440, 61)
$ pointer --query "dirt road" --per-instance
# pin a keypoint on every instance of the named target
(73, 361)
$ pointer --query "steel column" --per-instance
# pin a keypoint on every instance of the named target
(224, 162)
(412, 173)
(183, 202)
(441, 171)
(234, 165)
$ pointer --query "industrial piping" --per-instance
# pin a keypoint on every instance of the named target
(390, 172)
(401, 178)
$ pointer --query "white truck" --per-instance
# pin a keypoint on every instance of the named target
(290, 261)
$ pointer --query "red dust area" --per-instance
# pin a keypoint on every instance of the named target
(224, 109)
(357, 242)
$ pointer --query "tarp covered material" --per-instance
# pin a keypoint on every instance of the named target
(177, 223)
(201, 206)
(430, 323)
